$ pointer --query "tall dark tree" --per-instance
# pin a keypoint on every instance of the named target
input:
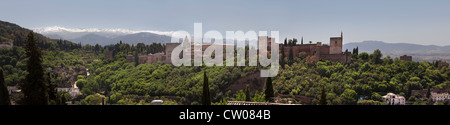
(61, 98)
(282, 57)
(96, 48)
(323, 97)
(52, 92)
(136, 59)
(35, 88)
(269, 92)
(408, 90)
(302, 40)
(285, 41)
(355, 52)
(206, 99)
(428, 92)
(294, 41)
(4, 95)
(247, 94)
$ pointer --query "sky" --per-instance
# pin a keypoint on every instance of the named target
(425, 22)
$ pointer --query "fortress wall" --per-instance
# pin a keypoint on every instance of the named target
(324, 50)
(298, 48)
(342, 58)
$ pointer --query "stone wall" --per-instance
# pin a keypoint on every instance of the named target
(143, 59)
(153, 58)
(324, 50)
(297, 49)
(342, 58)
(169, 49)
(406, 58)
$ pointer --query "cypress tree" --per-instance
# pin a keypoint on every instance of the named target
(4, 95)
(282, 57)
(63, 99)
(302, 40)
(428, 92)
(247, 94)
(408, 90)
(52, 92)
(323, 97)
(35, 87)
(206, 99)
(291, 55)
(269, 90)
(136, 59)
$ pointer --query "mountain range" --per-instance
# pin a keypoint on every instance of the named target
(418, 52)
(104, 36)
(399, 48)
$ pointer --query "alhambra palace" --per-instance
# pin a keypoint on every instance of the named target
(317, 52)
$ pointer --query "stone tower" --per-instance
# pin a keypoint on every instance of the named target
(336, 44)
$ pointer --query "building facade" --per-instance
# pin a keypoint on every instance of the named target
(393, 99)
(6, 44)
(320, 52)
(72, 91)
(167, 55)
(406, 58)
(439, 97)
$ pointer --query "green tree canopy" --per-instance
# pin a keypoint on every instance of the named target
(349, 97)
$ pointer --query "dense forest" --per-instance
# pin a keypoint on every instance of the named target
(368, 78)
(125, 83)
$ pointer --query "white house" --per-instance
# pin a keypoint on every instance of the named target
(72, 91)
(438, 97)
(6, 44)
(393, 99)
(157, 102)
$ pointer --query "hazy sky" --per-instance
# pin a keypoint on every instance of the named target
(396, 21)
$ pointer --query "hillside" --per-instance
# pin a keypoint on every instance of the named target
(57, 56)
(11, 32)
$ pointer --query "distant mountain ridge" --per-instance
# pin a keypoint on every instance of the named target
(17, 35)
(105, 36)
(10, 32)
(399, 48)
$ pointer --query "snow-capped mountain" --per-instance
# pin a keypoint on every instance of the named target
(55, 29)
(104, 36)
